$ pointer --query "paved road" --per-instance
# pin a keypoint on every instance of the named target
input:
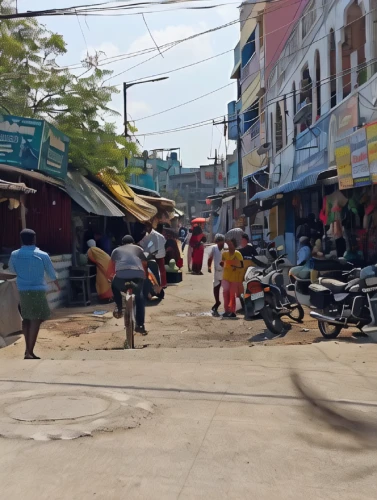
(204, 423)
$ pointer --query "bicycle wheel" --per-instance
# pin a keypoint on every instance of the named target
(129, 322)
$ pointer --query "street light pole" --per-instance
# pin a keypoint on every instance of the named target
(127, 86)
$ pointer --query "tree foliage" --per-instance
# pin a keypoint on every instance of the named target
(32, 84)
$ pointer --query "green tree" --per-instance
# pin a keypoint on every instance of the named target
(32, 84)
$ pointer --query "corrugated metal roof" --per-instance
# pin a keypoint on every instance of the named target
(133, 203)
(31, 174)
(90, 197)
(15, 187)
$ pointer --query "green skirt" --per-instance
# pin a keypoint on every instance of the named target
(34, 305)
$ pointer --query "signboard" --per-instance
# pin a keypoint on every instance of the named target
(207, 175)
(371, 131)
(53, 159)
(33, 145)
(359, 158)
(315, 148)
(343, 163)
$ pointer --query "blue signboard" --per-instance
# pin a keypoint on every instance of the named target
(33, 145)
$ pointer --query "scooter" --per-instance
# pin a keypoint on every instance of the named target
(265, 294)
(342, 305)
(300, 276)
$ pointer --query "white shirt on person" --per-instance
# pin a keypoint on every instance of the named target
(158, 241)
(216, 255)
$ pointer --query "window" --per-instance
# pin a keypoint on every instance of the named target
(308, 19)
(278, 128)
(353, 50)
(332, 49)
(248, 50)
(294, 107)
(317, 84)
(251, 116)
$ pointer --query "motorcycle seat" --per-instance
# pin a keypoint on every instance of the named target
(334, 286)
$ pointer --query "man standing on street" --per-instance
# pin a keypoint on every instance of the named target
(158, 241)
(30, 265)
(130, 264)
(215, 256)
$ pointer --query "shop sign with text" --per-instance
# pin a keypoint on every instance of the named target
(371, 131)
(359, 158)
(343, 162)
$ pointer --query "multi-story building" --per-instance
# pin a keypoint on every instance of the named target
(321, 96)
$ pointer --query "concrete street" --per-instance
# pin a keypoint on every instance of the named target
(184, 422)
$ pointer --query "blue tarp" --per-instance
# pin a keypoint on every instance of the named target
(310, 179)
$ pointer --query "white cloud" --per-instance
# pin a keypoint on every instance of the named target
(228, 12)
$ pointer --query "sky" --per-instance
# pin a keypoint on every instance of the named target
(123, 34)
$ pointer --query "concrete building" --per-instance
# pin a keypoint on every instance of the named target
(321, 96)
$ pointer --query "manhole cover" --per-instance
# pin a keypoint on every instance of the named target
(56, 408)
(65, 413)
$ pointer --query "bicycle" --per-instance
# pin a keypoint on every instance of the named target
(129, 314)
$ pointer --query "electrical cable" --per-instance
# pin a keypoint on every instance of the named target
(209, 120)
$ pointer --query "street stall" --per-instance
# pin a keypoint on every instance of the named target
(13, 196)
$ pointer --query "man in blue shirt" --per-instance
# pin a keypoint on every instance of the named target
(30, 265)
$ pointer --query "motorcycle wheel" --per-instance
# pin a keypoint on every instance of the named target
(272, 320)
(329, 331)
(297, 314)
(161, 295)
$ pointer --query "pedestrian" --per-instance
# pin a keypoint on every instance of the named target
(189, 249)
(196, 243)
(103, 269)
(171, 248)
(215, 256)
(159, 241)
(236, 234)
(130, 264)
(30, 264)
(232, 262)
(304, 252)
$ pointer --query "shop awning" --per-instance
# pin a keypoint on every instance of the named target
(90, 197)
(306, 181)
(133, 203)
(160, 203)
(257, 172)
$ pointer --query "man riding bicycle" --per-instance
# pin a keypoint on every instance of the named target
(130, 265)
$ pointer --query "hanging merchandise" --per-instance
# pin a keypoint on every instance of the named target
(359, 159)
(371, 131)
(335, 203)
(343, 163)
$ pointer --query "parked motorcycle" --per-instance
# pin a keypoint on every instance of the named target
(343, 305)
(301, 278)
(265, 294)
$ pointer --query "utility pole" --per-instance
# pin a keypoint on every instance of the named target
(125, 108)
(214, 171)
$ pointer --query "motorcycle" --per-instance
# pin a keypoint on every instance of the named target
(301, 278)
(265, 294)
(342, 305)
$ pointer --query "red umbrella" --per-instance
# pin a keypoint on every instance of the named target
(198, 220)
